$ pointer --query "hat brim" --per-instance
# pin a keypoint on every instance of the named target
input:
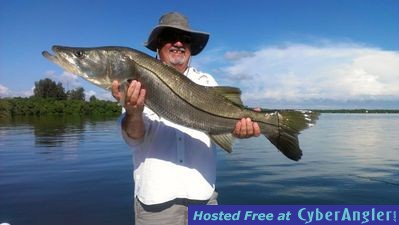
(198, 43)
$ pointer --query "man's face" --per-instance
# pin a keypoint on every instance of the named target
(175, 49)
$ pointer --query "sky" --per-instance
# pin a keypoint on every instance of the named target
(326, 54)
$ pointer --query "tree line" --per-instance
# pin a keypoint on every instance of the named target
(48, 89)
(50, 98)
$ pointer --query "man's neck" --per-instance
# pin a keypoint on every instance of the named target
(181, 68)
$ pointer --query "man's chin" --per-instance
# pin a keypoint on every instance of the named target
(180, 60)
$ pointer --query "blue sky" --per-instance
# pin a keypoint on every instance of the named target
(282, 53)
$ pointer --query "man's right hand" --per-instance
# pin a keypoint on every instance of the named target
(134, 97)
(132, 123)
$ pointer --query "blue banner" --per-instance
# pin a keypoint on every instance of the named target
(293, 214)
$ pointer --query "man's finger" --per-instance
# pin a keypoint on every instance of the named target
(115, 90)
(130, 88)
(256, 129)
(243, 131)
(237, 129)
(249, 128)
(141, 98)
(136, 87)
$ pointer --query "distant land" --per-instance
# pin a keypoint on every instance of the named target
(357, 110)
(346, 110)
(373, 105)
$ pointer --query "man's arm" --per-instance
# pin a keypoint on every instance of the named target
(132, 123)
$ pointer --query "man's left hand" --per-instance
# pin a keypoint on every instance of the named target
(245, 128)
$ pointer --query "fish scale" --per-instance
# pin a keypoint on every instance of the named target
(189, 116)
(198, 96)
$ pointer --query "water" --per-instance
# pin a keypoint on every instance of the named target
(348, 159)
(74, 171)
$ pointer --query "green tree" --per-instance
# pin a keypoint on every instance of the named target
(76, 94)
(93, 98)
(5, 108)
(47, 88)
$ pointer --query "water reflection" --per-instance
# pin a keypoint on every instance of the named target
(69, 179)
(56, 131)
(52, 133)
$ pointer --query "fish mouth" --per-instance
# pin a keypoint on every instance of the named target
(51, 57)
(63, 57)
(54, 58)
(48, 55)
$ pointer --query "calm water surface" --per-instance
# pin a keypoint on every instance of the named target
(75, 171)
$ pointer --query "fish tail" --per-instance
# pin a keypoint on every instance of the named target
(282, 130)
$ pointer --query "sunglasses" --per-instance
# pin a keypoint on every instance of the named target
(170, 36)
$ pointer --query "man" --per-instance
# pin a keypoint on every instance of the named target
(174, 166)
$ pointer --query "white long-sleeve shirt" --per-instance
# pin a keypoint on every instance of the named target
(173, 161)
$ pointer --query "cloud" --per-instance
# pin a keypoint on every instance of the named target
(90, 93)
(4, 91)
(299, 72)
(69, 81)
(105, 95)
(237, 55)
(100, 94)
(7, 92)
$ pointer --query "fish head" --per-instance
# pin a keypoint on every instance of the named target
(98, 65)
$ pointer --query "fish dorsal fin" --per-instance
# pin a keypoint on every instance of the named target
(225, 141)
(231, 93)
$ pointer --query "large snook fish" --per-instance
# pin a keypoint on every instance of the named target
(213, 110)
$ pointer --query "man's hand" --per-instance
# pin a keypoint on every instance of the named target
(245, 128)
(132, 123)
(134, 97)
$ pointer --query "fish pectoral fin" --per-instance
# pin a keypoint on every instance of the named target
(231, 93)
(225, 141)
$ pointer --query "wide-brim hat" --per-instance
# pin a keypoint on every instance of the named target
(174, 20)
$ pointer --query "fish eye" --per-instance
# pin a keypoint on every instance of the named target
(79, 54)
